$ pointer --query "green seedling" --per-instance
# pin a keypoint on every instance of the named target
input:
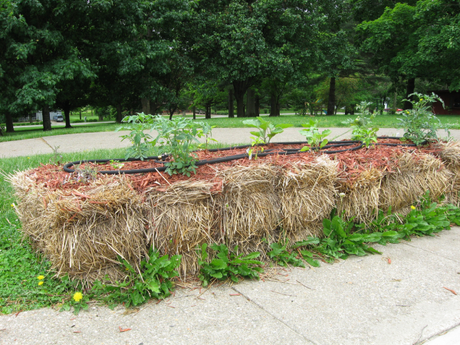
(227, 265)
(141, 144)
(316, 139)
(265, 129)
(151, 280)
(420, 123)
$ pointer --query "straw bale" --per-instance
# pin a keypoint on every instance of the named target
(307, 195)
(361, 198)
(450, 155)
(250, 206)
(83, 232)
(181, 218)
(412, 176)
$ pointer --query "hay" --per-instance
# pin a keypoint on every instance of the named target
(83, 230)
(249, 206)
(83, 233)
(361, 197)
(450, 155)
(180, 219)
(413, 175)
(307, 195)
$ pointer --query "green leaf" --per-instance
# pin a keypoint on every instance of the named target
(219, 264)
(153, 285)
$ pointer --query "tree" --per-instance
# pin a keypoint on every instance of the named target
(244, 41)
(40, 51)
(206, 93)
(438, 45)
(419, 40)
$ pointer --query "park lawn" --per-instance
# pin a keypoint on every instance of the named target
(380, 121)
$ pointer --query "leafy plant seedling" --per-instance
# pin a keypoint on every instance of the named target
(420, 123)
(265, 129)
(315, 138)
(227, 264)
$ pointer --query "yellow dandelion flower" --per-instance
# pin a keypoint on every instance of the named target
(40, 283)
(77, 296)
(40, 277)
(412, 207)
(12, 205)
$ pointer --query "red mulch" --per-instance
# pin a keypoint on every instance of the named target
(350, 165)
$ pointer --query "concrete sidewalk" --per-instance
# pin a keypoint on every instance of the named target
(105, 140)
(404, 296)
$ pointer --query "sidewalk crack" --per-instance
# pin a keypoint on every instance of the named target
(428, 251)
(274, 316)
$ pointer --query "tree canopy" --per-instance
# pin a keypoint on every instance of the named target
(175, 54)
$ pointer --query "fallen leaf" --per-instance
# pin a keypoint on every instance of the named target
(131, 311)
(450, 290)
(124, 329)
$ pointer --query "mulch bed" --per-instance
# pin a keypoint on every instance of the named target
(350, 165)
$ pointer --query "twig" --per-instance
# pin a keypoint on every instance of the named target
(285, 294)
(205, 290)
(450, 290)
(51, 147)
(304, 285)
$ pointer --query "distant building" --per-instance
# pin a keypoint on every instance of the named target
(39, 115)
(451, 103)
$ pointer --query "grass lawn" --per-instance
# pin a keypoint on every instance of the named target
(20, 265)
(381, 121)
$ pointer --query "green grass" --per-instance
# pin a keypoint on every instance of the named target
(21, 132)
(20, 265)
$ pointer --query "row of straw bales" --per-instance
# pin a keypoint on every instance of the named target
(82, 233)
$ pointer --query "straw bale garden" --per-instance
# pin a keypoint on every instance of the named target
(137, 224)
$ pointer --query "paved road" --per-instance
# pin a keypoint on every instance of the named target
(405, 296)
(101, 140)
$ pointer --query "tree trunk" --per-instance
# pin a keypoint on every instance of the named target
(119, 116)
(331, 101)
(145, 105)
(251, 103)
(239, 97)
(394, 102)
(240, 88)
(171, 112)
(46, 118)
(9, 123)
(231, 109)
(194, 113)
(410, 89)
(257, 105)
(208, 112)
(67, 114)
(274, 105)
(80, 114)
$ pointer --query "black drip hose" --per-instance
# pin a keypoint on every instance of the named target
(355, 145)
